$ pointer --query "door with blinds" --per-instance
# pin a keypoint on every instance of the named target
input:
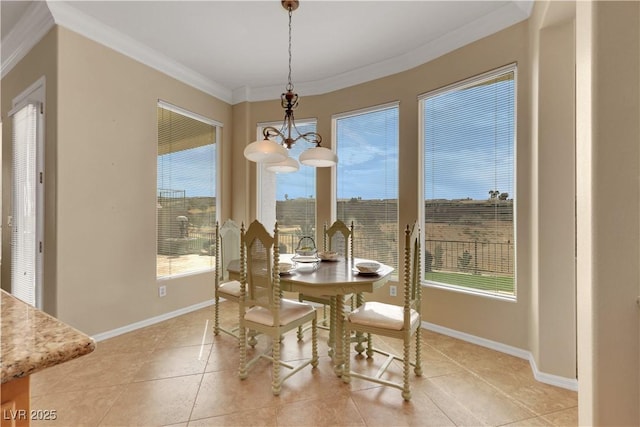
(26, 221)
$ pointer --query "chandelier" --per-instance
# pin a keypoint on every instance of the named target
(275, 154)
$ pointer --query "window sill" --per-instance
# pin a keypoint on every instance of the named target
(468, 291)
(187, 274)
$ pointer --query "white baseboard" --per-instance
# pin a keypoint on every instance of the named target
(151, 321)
(555, 380)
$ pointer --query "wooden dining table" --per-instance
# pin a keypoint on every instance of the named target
(327, 278)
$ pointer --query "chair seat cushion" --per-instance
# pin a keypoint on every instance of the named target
(289, 311)
(381, 315)
(230, 288)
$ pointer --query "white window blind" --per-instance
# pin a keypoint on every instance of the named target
(469, 188)
(295, 196)
(186, 197)
(26, 266)
(367, 180)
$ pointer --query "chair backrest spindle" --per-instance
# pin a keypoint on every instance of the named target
(261, 278)
(339, 238)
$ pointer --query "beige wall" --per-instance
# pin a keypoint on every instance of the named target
(102, 154)
(100, 184)
(107, 130)
(40, 61)
(608, 211)
(553, 310)
(501, 321)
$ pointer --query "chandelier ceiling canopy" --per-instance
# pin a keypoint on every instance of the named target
(273, 150)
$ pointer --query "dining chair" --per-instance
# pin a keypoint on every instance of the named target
(227, 248)
(338, 238)
(394, 321)
(262, 307)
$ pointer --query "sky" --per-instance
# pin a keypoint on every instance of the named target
(189, 170)
(468, 151)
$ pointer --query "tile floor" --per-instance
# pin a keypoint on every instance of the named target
(177, 373)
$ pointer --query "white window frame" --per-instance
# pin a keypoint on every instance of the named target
(219, 126)
(262, 174)
(334, 169)
(471, 81)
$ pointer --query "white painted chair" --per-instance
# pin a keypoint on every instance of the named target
(227, 249)
(262, 308)
(389, 320)
(338, 238)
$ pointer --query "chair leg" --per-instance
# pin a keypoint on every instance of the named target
(418, 368)
(216, 318)
(300, 334)
(314, 342)
(406, 388)
(359, 338)
(242, 372)
(324, 315)
(332, 325)
(346, 354)
(275, 380)
(369, 346)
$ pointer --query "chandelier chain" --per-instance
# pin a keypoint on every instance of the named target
(290, 84)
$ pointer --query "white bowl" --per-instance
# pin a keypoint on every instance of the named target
(285, 267)
(328, 255)
(368, 266)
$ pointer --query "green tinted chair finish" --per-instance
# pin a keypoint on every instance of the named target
(262, 307)
(401, 322)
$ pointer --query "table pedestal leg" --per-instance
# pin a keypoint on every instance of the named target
(338, 359)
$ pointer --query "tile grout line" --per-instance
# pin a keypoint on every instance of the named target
(481, 378)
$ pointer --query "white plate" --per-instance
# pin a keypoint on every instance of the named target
(287, 273)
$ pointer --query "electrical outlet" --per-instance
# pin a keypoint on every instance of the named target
(162, 291)
(393, 290)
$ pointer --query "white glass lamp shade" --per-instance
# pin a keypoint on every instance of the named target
(287, 165)
(265, 151)
(319, 157)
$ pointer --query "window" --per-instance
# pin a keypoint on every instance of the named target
(186, 197)
(469, 193)
(367, 180)
(294, 194)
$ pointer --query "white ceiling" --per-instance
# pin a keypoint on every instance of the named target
(237, 50)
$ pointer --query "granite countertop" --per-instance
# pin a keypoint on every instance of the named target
(32, 340)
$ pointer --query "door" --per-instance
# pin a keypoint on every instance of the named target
(27, 191)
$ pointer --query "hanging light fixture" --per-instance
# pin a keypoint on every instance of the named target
(276, 154)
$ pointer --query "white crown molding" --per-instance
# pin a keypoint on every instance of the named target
(499, 19)
(554, 380)
(28, 31)
(87, 26)
(40, 18)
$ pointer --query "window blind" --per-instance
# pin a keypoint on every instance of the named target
(367, 181)
(186, 195)
(296, 197)
(469, 192)
(25, 265)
